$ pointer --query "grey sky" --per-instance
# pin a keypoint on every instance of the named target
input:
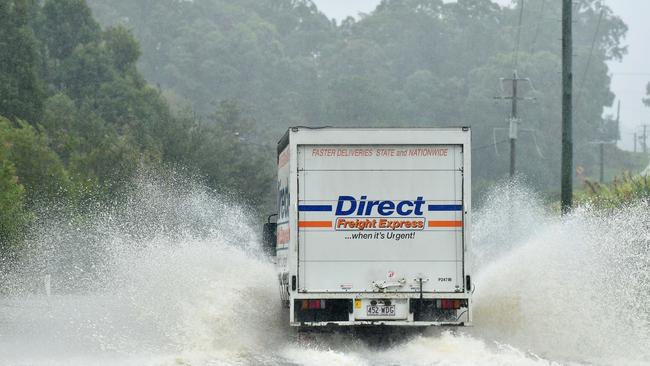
(340, 9)
(628, 77)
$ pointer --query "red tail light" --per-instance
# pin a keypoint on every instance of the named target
(448, 304)
(312, 304)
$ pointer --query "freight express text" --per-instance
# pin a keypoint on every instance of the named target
(379, 224)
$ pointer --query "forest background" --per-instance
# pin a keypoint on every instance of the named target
(93, 92)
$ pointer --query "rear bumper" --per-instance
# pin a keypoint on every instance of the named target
(349, 310)
(393, 323)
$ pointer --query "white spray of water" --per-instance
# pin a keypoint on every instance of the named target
(173, 272)
(173, 276)
(575, 288)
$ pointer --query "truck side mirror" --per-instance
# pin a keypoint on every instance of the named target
(269, 238)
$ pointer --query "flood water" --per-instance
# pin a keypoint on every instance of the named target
(174, 276)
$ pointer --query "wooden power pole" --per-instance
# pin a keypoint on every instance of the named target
(643, 139)
(602, 163)
(513, 120)
(513, 124)
(566, 199)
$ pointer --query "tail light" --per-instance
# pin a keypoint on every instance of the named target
(448, 304)
(312, 304)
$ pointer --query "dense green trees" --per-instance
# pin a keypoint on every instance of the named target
(80, 118)
(21, 94)
(13, 217)
(65, 24)
(409, 63)
(77, 120)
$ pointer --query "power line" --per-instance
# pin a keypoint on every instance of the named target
(516, 50)
(539, 23)
(591, 53)
(631, 73)
(531, 26)
(489, 145)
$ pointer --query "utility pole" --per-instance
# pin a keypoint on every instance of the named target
(618, 121)
(604, 132)
(513, 121)
(601, 147)
(513, 124)
(643, 139)
(602, 162)
(567, 107)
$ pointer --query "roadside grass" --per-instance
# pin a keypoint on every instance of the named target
(621, 191)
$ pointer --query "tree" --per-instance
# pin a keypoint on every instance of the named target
(408, 63)
(124, 49)
(21, 94)
(37, 167)
(84, 71)
(224, 150)
(13, 214)
(64, 25)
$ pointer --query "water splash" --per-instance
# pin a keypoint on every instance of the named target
(434, 348)
(575, 288)
(173, 275)
(173, 268)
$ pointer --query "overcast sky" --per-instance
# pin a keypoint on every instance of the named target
(629, 77)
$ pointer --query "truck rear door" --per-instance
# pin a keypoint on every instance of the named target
(380, 216)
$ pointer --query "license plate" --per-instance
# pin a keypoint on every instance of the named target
(380, 310)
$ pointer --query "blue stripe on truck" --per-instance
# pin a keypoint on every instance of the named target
(328, 208)
(308, 208)
(445, 207)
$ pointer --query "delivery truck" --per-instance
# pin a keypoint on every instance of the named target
(373, 226)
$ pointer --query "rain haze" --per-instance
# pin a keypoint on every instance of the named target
(298, 182)
(629, 77)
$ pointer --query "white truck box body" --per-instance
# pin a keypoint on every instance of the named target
(374, 213)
